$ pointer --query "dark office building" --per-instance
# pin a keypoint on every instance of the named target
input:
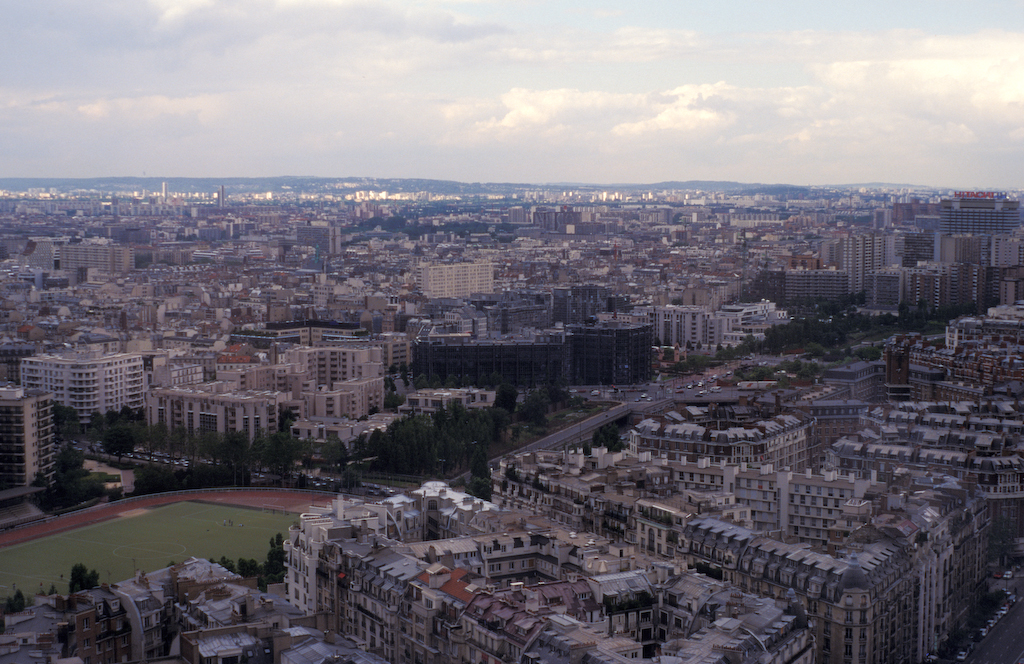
(10, 360)
(524, 363)
(576, 304)
(905, 213)
(914, 247)
(611, 353)
(979, 213)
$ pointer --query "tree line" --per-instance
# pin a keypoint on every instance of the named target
(440, 443)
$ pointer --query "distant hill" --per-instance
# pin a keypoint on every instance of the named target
(310, 184)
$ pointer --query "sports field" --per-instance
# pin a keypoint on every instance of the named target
(145, 539)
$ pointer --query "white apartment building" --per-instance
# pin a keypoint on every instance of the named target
(205, 409)
(88, 382)
(751, 316)
(455, 280)
(678, 325)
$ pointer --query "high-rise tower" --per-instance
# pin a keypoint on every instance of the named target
(979, 213)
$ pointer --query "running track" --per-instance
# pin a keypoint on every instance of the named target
(290, 500)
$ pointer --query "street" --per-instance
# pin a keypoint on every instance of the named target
(1003, 645)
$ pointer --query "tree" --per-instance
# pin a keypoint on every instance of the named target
(158, 437)
(155, 478)
(506, 397)
(814, 349)
(868, 353)
(119, 439)
(65, 420)
(249, 567)
(478, 462)
(83, 578)
(71, 482)
(335, 453)
(608, 437)
(285, 419)
(534, 408)
(273, 569)
(279, 452)
(479, 487)
(15, 604)
(235, 451)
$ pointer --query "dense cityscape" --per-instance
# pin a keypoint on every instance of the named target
(688, 422)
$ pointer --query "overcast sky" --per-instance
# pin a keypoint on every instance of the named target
(788, 91)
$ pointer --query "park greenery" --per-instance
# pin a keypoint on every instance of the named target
(271, 570)
(72, 484)
(454, 439)
(445, 441)
(825, 330)
(450, 441)
(835, 323)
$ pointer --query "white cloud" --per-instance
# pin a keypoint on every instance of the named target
(462, 86)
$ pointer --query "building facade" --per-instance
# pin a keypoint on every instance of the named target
(88, 382)
(455, 279)
(979, 213)
(26, 436)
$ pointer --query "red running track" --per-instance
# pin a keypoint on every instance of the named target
(289, 500)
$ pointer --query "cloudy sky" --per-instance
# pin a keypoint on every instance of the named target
(791, 91)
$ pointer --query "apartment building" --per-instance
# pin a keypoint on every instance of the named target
(427, 401)
(26, 436)
(828, 284)
(860, 254)
(885, 599)
(327, 365)
(351, 398)
(781, 441)
(105, 258)
(455, 279)
(88, 382)
(678, 325)
(202, 408)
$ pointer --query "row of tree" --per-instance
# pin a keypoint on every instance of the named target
(229, 459)
(441, 443)
(830, 325)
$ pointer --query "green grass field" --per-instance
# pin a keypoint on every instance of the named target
(149, 540)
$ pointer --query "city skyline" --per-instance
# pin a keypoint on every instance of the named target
(796, 93)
